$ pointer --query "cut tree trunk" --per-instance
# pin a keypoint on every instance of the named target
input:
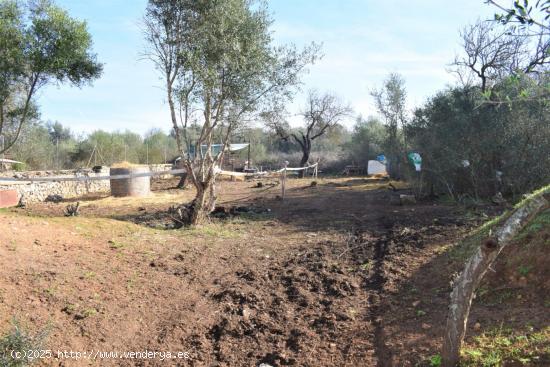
(475, 269)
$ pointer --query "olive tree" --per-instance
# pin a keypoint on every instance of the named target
(219, 69)
(390, 101)
(322, 113)
(40, 44)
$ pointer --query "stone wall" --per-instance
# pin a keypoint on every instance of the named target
(39, 191)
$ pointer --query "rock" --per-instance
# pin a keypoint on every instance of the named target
(54, 198)
(426, 326)
(477, 326)
(265, 365)
(246, 313)
(407, 199)
(416, 303)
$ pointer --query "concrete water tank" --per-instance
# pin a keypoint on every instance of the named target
(135, 186)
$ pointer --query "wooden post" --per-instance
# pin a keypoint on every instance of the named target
(475, 269)
(283, 180)
(249, 165)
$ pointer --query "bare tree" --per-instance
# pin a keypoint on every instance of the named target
(322, 113)
(489, 54)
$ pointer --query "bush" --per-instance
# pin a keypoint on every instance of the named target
(19, 340)
(476, 150)
(19, 167)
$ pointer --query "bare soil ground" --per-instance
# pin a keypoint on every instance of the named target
(334, 275)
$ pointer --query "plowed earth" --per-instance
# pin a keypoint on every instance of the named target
(334, 275)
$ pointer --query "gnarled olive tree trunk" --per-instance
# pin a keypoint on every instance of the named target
(476, 267)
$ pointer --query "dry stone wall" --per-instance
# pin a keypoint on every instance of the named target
(39, 191)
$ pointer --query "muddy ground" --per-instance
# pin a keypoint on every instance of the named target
(334, 275)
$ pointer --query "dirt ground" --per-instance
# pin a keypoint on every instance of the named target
(334, 275)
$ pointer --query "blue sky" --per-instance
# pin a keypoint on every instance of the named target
(363, 41)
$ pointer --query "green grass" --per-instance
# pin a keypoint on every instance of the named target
(116, 245)
(538, 223)
(524, 270)
(466, 248)
(420, 313)
(504, 345)
(366, 266)
(435, 361)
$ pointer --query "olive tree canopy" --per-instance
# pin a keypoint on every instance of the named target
(219, 69)
(39, 44)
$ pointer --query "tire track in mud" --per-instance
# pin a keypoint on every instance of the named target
(375, 285)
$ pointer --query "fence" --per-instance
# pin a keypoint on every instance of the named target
(84, 177)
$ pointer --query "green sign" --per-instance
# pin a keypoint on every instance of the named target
(415, 159)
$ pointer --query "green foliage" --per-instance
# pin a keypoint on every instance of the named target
(51, 146)
(522, 12)
(465, 248)
(19, 167)
(538, 223)
(367, 140)
(159, 147)
(41, 44)
(390, 102)
(19, 340)
(435, 361)
(453, 128)
(524, 270)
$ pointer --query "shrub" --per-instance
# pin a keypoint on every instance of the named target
(19, 340)
(19, 167)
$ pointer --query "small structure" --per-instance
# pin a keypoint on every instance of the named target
(130, 186)
(376, 168)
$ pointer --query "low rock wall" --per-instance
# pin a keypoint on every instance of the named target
(39, 191)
